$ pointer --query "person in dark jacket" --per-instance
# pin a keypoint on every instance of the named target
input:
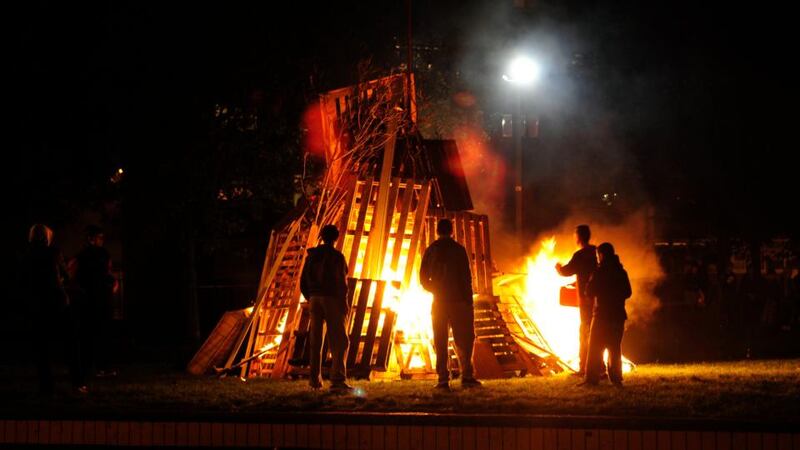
(609, 287)
(93, 306)
(323, 283)
(46, 275)
(445, 272)
(582, 265)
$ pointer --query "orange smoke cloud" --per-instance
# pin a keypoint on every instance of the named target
(312, 123)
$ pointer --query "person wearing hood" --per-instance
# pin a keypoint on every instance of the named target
(323, 283)
(609, 287)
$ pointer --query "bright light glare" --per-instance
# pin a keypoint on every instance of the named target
(522, 70)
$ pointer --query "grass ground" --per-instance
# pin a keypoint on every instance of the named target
(762, 390)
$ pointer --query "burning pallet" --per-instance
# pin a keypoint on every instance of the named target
(385, 191)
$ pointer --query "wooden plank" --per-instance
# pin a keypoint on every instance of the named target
(251, 437)
(290, 435)
(387, 339)
(564, 439)
(693, 441)
(606, 440)
(509, 438)
(416, 438)
(339, 437)
(358, 321)
(391, 207)
(740, 441)
(429, 438)
(372, 327)
(537, 439)
(578, 439)
(635, 440)
(769, 441)
(419, 219)
(663, 440)
(487, 250)
(496, 438)
(754, 441)
(480, 270)
(708, 440)
(169, 434)
(678, 440)
(365, 437)
(649, 440)
(314, 438)
(327, 434)
(784, 441)
(403, 438)
(378, 441)
(352, 437)
(344, 220)
(724, 441)
(390, 437)
(469, 438)
(796, 441)
(363, 206)
(482, 438)
(265, 435)
(400, 232)
(455, 438)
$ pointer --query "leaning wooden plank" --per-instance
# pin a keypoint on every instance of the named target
(372, 328)
(363, 206)
(419, 220)
(400, 232)
(358, 320)
(387, 339)
(257, 307)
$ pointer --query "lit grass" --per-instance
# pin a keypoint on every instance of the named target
(742, 390)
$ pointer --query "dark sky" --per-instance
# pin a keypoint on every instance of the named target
(700, 94)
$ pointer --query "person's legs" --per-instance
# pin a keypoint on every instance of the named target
(335, 318)
(594, 357)
(463, 323)
(615, 331)
(583, 334)
(439, 324)
(317, 313)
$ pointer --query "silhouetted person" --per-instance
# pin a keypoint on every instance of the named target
(48, 305)
(324, 284)
(609, 286)
(582, 265)
(97, 285)
(445, 272)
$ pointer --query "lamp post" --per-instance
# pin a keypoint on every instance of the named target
(522, 73)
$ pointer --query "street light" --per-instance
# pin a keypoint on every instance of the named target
(522, 72)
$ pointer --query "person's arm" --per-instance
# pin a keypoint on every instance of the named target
(626, 288)
(571, 268)
(343, 278)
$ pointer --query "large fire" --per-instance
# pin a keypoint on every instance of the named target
(558, 324)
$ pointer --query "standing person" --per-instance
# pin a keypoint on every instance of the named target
(609, 286)
(46, 275)
(97, 285)
(582, 265)
(323, 283)
(445, 272)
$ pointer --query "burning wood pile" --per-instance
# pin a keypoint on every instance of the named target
(384, 186)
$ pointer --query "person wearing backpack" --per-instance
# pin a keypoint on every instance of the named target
(323, 283)
(609, 287)
(445, 272)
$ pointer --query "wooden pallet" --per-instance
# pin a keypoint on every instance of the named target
(472, 231)
(370, 329)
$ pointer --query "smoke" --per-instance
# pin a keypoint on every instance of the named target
(632, 239)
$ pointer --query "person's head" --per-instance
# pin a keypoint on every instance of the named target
(444, 228)
(329, 234)
(95, 235)
(605, 251)
(40, 234)
(582, 235)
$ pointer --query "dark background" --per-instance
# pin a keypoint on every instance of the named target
(686, 107)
